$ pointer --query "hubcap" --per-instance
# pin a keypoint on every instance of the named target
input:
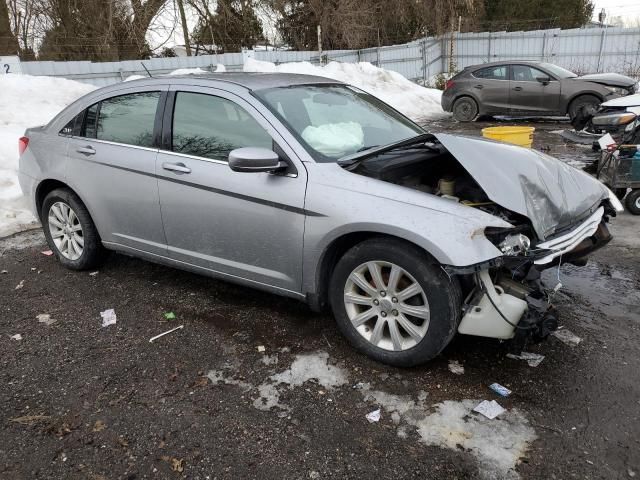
(66, 231)
(386, 305)
(638, 202)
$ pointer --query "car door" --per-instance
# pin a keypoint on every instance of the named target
(530, 91)
(490, 85)
(243, 225)
(111, 165)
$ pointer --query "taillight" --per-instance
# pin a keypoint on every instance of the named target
(449, 84)
(23, 143)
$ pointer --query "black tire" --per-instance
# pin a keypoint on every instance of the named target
(442, 292)
(582, 102)
(633, 202)
(93, 253)
(465, 109)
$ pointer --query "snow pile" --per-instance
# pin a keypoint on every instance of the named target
(306, 367)
(25, 101)
(417, 102)
(497, 444)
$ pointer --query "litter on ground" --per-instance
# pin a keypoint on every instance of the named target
(93, 274)
(169, 316)
(567, 337)
(533, 359)
(456, 367)
(20, 285)
(500, 390)
(261, 348)
(374, 416)
(108, 317)
(48, 253)
(490, 409)
(17, 336)
(152, 339)
(46, 319)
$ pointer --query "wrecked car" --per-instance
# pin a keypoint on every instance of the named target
(526, 88)
(315, 190)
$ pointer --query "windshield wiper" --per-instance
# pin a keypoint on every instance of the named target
(357, 157)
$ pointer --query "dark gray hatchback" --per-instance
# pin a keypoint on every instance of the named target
(528, 88)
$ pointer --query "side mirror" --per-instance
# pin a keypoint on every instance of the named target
(544, 80)
(254, 159)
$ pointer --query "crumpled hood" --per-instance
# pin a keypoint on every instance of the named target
(549, 192)
(627, 101)
(613, 79)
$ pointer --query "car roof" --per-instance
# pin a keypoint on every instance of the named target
(503, 62)
(251, 81)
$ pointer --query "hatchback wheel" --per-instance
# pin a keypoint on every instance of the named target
(465, 109)
(69, 230)
(393, 302)
(583, 103)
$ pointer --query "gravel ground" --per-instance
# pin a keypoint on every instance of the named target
(82, 401)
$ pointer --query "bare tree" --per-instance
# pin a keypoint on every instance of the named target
(8, 41)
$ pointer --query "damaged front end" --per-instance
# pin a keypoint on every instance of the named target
(557, 214)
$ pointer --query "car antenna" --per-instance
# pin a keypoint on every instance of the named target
(146, 69)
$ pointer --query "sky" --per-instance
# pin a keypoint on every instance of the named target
(629, 10)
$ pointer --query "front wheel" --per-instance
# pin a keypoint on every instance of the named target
(584, 104)
(394, 303)
(70, 231)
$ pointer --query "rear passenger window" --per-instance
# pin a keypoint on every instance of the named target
(210, 127)
(125, 119)
(492, 73)
(74, 125)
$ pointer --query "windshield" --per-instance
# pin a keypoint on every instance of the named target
(332, 121)
(558, 71)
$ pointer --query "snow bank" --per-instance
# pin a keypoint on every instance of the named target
(418, 103)
(25, 101)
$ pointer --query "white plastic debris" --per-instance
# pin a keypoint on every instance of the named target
(490, 409)
(567, 337)
(46, 319)
(456, 367)
(93, 274)
(500, 390)
(17, 336)
(261, 348)
(533, 359)
(374, 416)
(152, 339)
(20, 285)
(108, 317)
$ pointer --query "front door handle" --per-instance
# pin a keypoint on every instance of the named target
(88, 150)
(176, 167)
(517, 89)
(479, 87)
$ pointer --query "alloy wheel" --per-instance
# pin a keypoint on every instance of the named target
(66, 230)
(386, 305)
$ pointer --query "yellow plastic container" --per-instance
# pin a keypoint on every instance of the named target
(522, 136)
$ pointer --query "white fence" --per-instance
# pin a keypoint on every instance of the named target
(587, 50)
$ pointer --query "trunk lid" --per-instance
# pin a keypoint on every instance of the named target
(552, 194)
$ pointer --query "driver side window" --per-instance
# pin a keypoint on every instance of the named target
(211, 127)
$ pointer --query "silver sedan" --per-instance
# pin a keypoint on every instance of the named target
(313, 189)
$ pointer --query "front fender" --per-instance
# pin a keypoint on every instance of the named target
(452, 233)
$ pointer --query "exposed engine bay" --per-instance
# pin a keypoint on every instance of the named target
(505, 298)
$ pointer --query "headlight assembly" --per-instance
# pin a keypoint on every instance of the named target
(618, 90)
(611, 119)
(509, 242)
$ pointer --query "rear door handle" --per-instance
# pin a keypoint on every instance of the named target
(88, 150)
(176, 167)
(479, 87)
(517, 89)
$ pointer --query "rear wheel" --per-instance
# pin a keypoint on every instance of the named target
(633, 202)
(70, 231)
(393, 302)
(583, 102)
(465, 109)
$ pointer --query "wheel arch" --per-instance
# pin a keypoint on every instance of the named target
(577, 95)
(44, 188)
(335, 250)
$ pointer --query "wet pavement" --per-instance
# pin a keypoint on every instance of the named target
(82, 401)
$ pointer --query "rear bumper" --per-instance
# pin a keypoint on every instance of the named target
(446, 101)
(28, 186)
